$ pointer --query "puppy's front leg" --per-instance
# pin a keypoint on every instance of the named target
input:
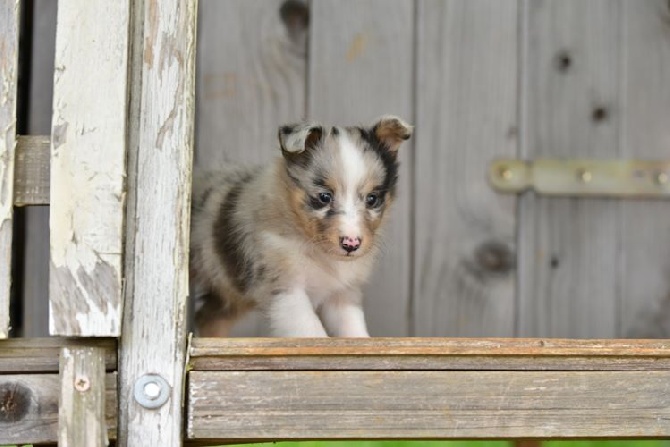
(343, 316)
(291, 314)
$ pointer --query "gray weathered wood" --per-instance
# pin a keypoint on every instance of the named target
(645, 133)
(153, 340)
(464, 262)
(241, 405)
(31, 170)
(361, 67)
(41, 355)
(395, 354)
(81, 415)
(88, 168)
(29, 408)
(9, 43)
(243, 96)
(569, 250)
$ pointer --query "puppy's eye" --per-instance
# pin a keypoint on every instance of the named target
(372, 200)
(325, 197)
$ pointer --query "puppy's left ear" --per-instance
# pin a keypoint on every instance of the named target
(391, 131)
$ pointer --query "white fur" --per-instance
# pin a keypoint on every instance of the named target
(354, 171)
(343, 315)
(292, 315)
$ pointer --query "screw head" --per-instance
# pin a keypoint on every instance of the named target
(662, 178)
(505, 173)
(82, 384)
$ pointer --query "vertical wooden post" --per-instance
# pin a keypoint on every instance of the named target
(81, 415)
(153, 342)
(9, 36)
(88, 141)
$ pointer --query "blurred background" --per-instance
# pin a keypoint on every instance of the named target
(480, 80)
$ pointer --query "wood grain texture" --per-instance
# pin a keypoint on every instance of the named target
(428, 354)
(31, 170)
(464, 281)
(426, 404)
(29, 408)
(569, 251)
(81, 414)
(645, 226)
(361, 67)
(9, 43)
(250, 80)
(88, 168)
(160, 153)
(41, 355)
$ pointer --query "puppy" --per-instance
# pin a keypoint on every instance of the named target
(297, 238)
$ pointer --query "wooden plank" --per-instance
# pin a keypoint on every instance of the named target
(9, 43)
(29, 408)
(569, 250)
(426, 404)
(361, 67)
(428, 354)
(156, 265)
(81, 415)
(244, 96)
(645, 226)
(466, 116)
(88, 168)
(41, 355)
(31, 171)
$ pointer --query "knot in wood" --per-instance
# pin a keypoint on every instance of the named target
(295, 15)
(494, 258)
(15, 401)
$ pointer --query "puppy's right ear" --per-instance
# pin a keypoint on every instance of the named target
(298, 138)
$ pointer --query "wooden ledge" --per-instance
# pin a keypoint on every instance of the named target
(40, 355)
(213, 354)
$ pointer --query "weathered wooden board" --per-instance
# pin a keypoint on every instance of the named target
(160, 153)
(29, 408)
(569, 250)
(645, 226)
(31, 170)
(9, 44)
(34, 267)
(81, 415)
(393, 354)
(251, 79)
(88, 168)
(427, 404)
(41, 355)
(464, 261)
(361, 66)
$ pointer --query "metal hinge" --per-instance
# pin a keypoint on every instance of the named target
(604, 178)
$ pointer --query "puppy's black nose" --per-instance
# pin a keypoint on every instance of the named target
(350, 244)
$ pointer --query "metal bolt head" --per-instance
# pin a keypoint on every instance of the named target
(662, 178)
(82, 384)
(584, 175)
(505, 173)
(151, 391)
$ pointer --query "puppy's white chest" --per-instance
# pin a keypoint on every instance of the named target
(322, 281)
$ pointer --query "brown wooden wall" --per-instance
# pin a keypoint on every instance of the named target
(480, 79)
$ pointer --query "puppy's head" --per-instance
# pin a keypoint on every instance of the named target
(342, 181)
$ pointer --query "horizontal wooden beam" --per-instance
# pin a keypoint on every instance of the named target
(29, 407)
(31, 170)
(232, 354)
(41, 355)
(271, 405)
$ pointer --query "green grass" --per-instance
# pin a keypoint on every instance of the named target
(614, 443)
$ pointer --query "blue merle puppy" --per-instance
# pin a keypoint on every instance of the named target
(298, 238)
